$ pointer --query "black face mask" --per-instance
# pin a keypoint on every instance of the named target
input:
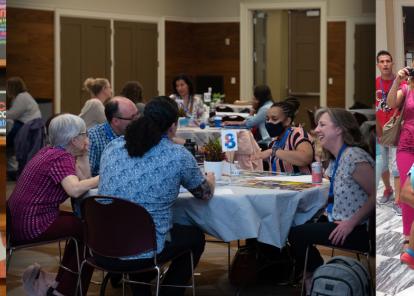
(274, 129)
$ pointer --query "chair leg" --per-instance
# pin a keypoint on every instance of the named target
(8, 259)
(103, 285)
(303, 290)
(123, 284)
(192, 272)
(157, 288)
(79, 282)
(371, 275)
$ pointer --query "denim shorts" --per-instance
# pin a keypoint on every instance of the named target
(389, 160)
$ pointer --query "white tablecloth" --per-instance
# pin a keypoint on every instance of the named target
(243, 212)
(237, 212)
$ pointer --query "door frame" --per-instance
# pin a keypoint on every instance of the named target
(399, 58)
(246, 43)
(111, 17)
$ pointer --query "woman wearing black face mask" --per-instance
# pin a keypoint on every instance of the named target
(291, 150)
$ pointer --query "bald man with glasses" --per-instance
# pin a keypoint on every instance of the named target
(119, 112)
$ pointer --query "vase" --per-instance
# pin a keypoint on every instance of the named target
(214, 167)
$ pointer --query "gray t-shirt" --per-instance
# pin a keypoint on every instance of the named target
(24, 108)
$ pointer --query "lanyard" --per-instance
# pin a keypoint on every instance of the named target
(281, 145)
(108, 131)
(331, 187)
(332, 181)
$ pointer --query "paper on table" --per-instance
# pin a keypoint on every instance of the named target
(301, 178)
(223, 191)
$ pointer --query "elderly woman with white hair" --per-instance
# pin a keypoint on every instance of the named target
(54, 173)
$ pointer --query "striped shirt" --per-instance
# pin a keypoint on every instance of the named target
(34, 203)
(297, 136)
(99, 136)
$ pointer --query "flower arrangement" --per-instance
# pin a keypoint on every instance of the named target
(213, 151)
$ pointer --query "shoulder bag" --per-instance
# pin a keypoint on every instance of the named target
(392, 128)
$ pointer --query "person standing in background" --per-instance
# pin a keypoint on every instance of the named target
(93, 111)
(383, 114)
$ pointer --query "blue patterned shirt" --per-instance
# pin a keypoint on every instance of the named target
(152, 181)
(99, 136)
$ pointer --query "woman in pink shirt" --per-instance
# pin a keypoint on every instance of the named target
(53, 174)
(399, 97)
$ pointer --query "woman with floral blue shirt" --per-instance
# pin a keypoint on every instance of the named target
(147, 168)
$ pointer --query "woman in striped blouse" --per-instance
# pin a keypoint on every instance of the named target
(291, 149)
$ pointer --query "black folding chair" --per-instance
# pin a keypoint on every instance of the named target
(107, 239)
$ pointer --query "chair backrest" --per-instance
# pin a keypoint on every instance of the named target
(222, 108)
(114, 227)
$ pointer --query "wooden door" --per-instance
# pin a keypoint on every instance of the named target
(304, 60)
(336, 64)
(364, 64)
(85, 52)
(136, 56)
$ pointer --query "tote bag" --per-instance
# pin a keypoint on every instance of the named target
(391, 130)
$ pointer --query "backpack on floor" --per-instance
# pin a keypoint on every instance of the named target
(341, 276)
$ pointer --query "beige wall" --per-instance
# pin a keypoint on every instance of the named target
(190, 8)
(276, 53)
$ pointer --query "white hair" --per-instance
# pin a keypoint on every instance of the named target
(64, 128)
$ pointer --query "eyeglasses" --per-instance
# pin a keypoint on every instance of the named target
(84, 134)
